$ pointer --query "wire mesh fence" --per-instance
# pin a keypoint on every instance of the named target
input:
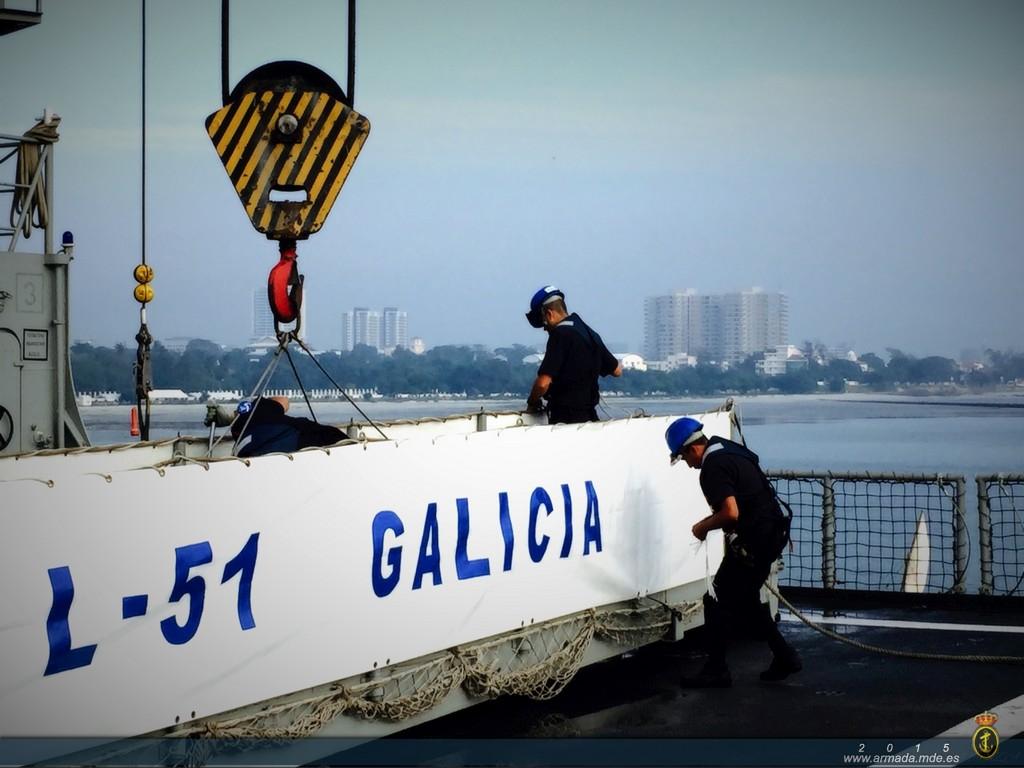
(1001, 533)
(880, 532)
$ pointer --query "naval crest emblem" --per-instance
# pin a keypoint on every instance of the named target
(985, 741)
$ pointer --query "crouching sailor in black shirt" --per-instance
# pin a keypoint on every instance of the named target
(574, 359)
(268, 430)
(745, 507)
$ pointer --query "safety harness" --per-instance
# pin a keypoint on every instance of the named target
(767, 496)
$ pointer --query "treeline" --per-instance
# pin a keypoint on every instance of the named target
(480, 372)
(205, 367)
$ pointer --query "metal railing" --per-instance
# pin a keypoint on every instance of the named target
(1001, 533)
(875, 531)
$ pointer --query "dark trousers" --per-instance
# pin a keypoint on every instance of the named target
(563, 415)
(737, 606)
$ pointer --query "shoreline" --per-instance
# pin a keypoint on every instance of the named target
(904, 397)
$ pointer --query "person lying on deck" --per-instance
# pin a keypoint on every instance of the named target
(268, 430)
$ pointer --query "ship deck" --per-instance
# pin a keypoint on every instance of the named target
(631, 710)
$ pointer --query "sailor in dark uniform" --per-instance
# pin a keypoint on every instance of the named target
(574, 359)
(745, 507)
(263, 428)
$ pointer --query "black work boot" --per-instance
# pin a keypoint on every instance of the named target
(712, 675)
(782, 666)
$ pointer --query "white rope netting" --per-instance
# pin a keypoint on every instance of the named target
(536, 662)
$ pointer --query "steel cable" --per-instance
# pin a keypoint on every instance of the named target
(988, 658)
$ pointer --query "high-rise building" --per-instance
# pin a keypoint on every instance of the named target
(724, 328)
(395, 331)
(360, 326)
(263, 318)
(672, 324)
(384, 330)
(348, 332)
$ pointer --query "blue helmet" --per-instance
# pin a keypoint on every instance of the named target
(681, 433)
(544, 296)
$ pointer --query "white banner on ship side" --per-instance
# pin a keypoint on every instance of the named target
(134, 603)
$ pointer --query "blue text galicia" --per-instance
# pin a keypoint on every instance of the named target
(388, 529)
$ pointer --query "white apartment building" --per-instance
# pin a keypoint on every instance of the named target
(385, 330)
(360, 326)
(674, 324)
(724, 328)
(395, 331)
(262, 317)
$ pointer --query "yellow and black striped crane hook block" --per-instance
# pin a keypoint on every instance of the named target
(288, 138)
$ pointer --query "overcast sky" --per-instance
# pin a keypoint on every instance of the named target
(865, 158)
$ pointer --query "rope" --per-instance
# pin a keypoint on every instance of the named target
(992, 659)
(260, 385)
(28, 206)
(48, 483)
(143, 359)
(183, 459)
(540, 683)
(258, 389)
(538, 662)
(90, 449)
(257, 392)
(142, 211)
(180, 458)
(298, 381)
(338, 386)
